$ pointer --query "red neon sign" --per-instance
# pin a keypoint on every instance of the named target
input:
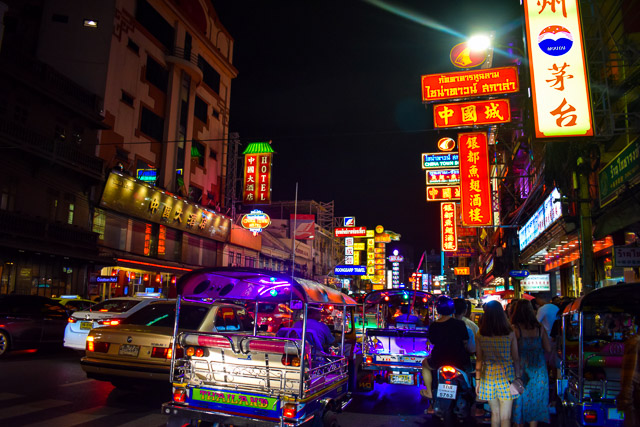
(448, 227)
(473, 113)
(465, 84)
(257, 179)
(474, 178)
(443, 193)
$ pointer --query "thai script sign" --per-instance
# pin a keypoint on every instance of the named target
(474, 179)
(439, 160)
(350, 231)
(626, 256)
(443, 193)
(459, 114)
(235, 399)
(448, 227)
(542, 219)
(535, 283)
(465, 84)
(256, 186)
(129, 196)
(622, 171)
(561, 104)
(443, 176)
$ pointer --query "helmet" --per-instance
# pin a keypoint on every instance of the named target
(444, 306)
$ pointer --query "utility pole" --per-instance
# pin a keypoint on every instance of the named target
(586, 238)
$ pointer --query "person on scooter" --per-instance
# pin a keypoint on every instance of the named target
(449, 338)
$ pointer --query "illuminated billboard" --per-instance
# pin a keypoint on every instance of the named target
(558, 74)
(256, 185)
(466, 84)
(440, 160)
(443, 193)
(474, 179)
(474, 113)
(443, 176)
(448, 227)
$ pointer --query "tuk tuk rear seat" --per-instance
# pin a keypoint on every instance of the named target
(397, 341)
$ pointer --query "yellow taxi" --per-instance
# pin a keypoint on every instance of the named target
(75, 302)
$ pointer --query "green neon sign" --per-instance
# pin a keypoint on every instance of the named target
(235, 399)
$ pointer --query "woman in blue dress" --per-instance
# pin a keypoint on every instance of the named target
(533, 341)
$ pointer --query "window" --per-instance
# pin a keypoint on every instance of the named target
(8, 192)
(156, 74)
(215, 113)
(238, 259)
(249, 262)
(63, 19)
(245, 319)
(213, 154)
(155, 24)
(126, 98)
(72, 209)
(210, 76)
(200, 109)
(226, 320)
(133, 46)
(151, 124)
(197, 151)
(230, 259)
(163, 314)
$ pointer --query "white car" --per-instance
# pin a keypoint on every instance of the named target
(106, 313)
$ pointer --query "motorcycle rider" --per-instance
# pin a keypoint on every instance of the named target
(449, 338)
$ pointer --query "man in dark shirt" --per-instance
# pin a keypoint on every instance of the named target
(449, 338)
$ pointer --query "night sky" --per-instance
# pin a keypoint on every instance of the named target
(335, 85)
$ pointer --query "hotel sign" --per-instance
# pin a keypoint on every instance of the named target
(465, 84)
(559, 84)
(443, 193)
(127, 195)
(474, 113)
(440, 160)
(256, 185)
(448, 227)
(474, 179)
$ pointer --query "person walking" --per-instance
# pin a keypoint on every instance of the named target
(533, 405)
(497, 363)
(628, 401)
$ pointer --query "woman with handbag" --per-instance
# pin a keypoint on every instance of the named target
(533, 343)
(497, 363)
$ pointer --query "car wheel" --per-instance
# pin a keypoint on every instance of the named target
(4, 343)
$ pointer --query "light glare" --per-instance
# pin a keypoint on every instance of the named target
(479, 43)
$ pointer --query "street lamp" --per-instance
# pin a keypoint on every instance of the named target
(479, 42)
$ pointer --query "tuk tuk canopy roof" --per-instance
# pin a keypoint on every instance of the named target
(377, 297)
(254, 284)
(615, 298)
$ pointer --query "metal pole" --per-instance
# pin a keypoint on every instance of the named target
(344, 326)
(175, 337)
(586, 238)
(293, 236)
(581, 357)
(255, 320)
(304, 347)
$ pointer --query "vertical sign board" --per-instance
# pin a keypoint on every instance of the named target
(256, 186)
(558, 73)
(448, 227)
(475, 191)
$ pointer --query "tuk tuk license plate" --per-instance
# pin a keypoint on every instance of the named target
(447, 391)
(129, 350)
(86, 325)
(614, 414)
(401, 379)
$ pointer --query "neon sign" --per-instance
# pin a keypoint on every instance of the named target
(440, 160)
(459, 114)
(255, 221)
(443, 193)
(448, 227)
(474, 178)
(465, 84)
(443, 176)
(257, 174)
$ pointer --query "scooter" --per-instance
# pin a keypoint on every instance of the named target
(454, 397)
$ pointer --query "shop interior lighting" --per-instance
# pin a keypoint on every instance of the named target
(90, 23)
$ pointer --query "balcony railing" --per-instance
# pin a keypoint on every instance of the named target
(64, 153)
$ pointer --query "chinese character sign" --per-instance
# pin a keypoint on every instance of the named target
(466, 84)
(475, 190)
(257, 179)
(558, 74)
(448, 227)
(443, 193)
(493, 111)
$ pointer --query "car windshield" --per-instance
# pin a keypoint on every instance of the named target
(115, 305)
(191, 316)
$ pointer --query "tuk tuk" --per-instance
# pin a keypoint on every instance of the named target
(591, 347)
(393, 351)
(262, 378)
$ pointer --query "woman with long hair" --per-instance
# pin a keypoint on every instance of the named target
(533, 405)
(497, 363)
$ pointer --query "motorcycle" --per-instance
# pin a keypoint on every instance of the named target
(454, 396)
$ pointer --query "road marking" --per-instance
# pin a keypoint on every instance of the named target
(9, 396)
(27, 408)
(76, 418)
(149, 420)
(76, 383)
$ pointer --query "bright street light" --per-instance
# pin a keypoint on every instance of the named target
(479, 43)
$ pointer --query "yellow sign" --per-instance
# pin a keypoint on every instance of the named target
(379, 229)
(370, 233)
(358, 247)
(461, 271)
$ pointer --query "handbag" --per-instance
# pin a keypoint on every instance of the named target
(517, 387)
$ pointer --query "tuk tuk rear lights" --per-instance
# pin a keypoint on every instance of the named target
(289, 410)
(369, 360)
(179, 395)
(590, 416)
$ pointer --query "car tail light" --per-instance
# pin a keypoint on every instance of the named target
(590, 416)
(369, 359)
(448, 372)
(179, 395)
(109, 322)
(72, 320)
(96, 346)
(289, 410)
(285, 360)
(161, 352)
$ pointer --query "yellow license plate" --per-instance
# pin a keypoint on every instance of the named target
(401, 379)
(86, 325)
